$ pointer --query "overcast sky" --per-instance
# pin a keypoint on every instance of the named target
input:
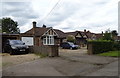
(69, 15)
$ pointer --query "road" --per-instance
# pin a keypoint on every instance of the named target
(70, 63)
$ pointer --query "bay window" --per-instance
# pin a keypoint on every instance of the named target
(48, 40)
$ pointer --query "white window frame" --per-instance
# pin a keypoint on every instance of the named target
(48, 40)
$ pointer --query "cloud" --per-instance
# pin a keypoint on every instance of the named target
(97, 14)
(68, 15)
(20, 11)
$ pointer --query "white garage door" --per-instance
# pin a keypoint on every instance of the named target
(28, 40)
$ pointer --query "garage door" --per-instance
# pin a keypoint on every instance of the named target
(28, 40)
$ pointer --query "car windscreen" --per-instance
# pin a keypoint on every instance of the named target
(71, 43)
(16, 42)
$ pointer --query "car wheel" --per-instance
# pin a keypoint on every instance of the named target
(71, 48)
(27, 51)
(3, 50)
(11, 52)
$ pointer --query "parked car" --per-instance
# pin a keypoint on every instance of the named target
(15, 46)
(69, 45)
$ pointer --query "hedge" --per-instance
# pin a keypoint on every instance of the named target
(100, 46)
(116, 45)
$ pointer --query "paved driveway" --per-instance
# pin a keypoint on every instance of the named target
(104, 66)
(82, 56)
(70, 63)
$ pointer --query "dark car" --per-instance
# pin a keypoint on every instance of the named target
(69, 45)
(15, 46)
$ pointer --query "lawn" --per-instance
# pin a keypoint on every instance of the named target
(111, 53)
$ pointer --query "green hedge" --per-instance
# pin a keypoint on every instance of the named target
(101, 46)
(116, 45)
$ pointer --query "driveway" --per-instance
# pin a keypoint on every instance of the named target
(81, 55)
(70, 63)
(10, 60)
(104, 66)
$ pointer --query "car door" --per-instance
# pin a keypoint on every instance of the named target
(67, 45)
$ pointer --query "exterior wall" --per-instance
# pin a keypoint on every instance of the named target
(37, 41)
(80, 41)
(58, 41)
(45, 50)
(40, 41)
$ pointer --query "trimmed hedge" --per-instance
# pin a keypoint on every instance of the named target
(116, 45)
(100, 46)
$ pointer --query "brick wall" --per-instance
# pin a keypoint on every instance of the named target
(51, 50)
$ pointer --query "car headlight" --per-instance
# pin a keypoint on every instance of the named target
(13, 47)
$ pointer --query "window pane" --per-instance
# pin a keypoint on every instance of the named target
(47, 39)
(44, 40)
(50, 41)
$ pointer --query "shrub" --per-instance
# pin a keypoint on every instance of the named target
(70, 38)
(100, 46)
(116, 45)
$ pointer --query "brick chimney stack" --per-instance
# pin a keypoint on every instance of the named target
(44, 26)
(34, 32)
(84, 30)
(34, 24)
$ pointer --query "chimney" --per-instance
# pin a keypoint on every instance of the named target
(44, 26)
(84, 30)
(34, 32)
(102, 33)
(34, 24)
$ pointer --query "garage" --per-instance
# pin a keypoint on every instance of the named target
(28, 40)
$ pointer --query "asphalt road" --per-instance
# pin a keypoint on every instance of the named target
(70, 63)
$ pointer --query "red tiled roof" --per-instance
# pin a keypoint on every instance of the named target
(98, 36)
(75, 33)
(60, 33)
(71, 33)
(39, 31)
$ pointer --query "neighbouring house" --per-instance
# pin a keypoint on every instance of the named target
(80, 38)
(117, 38)
(38, 36)
(93, 36)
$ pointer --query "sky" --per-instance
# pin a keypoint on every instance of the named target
(68, 15)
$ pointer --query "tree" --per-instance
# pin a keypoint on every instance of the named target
(70, 38)
(114, 34)
(107, 36)
(9, 26)
(110, 35)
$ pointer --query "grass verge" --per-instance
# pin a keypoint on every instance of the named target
(111, 53)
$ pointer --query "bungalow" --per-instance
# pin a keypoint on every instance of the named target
(42, 36)
(80, 38)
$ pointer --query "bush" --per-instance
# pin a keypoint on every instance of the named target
(116, 45)
(70, 38)
(100, 46)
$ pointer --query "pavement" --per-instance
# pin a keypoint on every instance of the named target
(70, 63)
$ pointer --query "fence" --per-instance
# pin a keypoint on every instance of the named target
(51, 50)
